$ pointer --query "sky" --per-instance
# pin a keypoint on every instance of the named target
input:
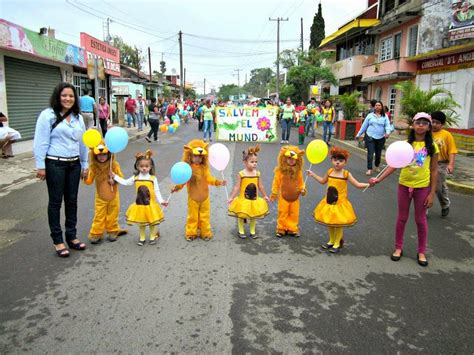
(219, 37)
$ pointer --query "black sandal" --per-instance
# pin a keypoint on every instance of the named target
(62, 253)
(77, 246)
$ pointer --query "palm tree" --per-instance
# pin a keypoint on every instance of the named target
(351, 106)
(416, 100)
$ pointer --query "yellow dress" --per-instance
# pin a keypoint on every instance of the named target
(145, 211)
(335, 210)
(248, 204)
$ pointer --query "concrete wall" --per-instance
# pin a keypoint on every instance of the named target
(351, 66)
(434, 25)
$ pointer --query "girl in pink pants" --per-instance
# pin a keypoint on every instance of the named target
(417, 182)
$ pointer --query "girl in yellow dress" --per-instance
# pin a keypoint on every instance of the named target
(146, 210)
(335, 211)
(248, 205)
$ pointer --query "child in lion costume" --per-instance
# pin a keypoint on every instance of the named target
(288, 185)
(199, 205)
(107, 199)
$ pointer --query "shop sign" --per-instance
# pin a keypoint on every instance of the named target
(24, 40)
(246, 124)
(120, 90)
(97, 48)
(447, 63)
(462, 20)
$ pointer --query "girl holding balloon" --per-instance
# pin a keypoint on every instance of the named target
(248, 204)
(146, 210)
(418, 181)
(335, 210)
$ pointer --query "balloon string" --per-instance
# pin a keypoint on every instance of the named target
(111, 158)
(223, 178)
(306, 178)
(379, 175)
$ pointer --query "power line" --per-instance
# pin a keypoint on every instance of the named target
(237, 40)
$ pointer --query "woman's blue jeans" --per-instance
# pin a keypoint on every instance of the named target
(285, 129)
(327, 131)
(62, 179)
(207, 128)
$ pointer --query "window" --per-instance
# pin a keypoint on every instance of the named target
(77, 84)
(378, 94)
(386, 46)
(412, 40)
(392, 100)
(397, 42)
(102, 88)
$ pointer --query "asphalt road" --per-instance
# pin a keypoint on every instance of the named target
(236, 296)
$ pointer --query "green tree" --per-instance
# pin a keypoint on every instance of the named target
(351, 106)
(190, 93)
(289, 58)
(131, 56)
(308, 72)
(226, 90)
(258, 83)
(317, 29)
(416, 100)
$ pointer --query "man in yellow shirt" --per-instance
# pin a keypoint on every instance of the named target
(447, 155)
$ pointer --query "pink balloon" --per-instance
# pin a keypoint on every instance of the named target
(399, 154)
(219, 156)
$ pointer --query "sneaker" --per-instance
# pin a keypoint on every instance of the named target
(282, 142)
(445, 212)
(368, 172)
(152, 241)
(241, 236)
(294, 234)
(253, 236)
(278, 235)
(112, 237)
(334, 250)
(148, 139)
(95, 240)
(210, 139)
(287, 142)
(141, 243)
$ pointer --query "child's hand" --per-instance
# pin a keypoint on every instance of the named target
(303, 192)
(111, 182)
(429, 201)
(266, 198)
(174, 189)
(165, 203)
(273, 197)
(373, 181)
(310, 173)
(112, 175)
(224, 182)
(229, 201)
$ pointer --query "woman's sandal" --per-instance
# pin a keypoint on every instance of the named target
(77, 246)
(62, 253)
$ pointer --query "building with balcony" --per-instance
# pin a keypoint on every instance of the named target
(354, 49)
(396, 40)
(445, 57)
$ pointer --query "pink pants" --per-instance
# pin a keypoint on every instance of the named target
(419, 195)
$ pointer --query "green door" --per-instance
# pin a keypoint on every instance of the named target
(29, 86)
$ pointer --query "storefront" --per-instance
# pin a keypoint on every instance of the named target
(106, 54)
(455, 73)
(31, 65)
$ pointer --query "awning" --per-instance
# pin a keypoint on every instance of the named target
(354, 24)
(443, 51)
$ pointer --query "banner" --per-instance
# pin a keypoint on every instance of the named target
(21, 39)
(97, 48)
(462, 20)
(246, 124)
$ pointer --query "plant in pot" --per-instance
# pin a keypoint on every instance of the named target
(351, 108)
(415, 100)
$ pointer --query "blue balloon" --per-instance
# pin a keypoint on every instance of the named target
(116, 139)
(171, 129)
(181, 172)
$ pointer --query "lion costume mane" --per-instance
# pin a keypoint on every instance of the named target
(288, 185)
(198, 190)
(107, 198)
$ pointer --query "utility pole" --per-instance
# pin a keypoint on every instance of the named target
(278, 19)
(106, 30)
(184, 80)
(302, 40)
(149, 62)
(238, 80)
(204, 86)
(181, 74)
(138, 61)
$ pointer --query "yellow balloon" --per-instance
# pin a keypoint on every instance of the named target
(175, 125)
(315, 90)
(91, 138)
(316, 151)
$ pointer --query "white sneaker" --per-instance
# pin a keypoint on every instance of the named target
(282, 142)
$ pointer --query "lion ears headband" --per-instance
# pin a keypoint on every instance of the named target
(147, 155)
(251, 150)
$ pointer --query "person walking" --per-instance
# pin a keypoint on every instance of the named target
(329, 114)
(104, 115)
(288, 116)
(311, 117)
(130, 106)
(154, 121)
(61, 158)
(208, 118)
(140, 110)
(377, 128)
(8, 136)
(88, 110)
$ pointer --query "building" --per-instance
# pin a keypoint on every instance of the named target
(354, 49)
(445, 57)
(31, 65)
(397, 39)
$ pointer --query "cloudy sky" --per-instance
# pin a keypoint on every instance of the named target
(218, 36)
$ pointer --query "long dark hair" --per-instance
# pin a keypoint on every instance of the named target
(382, 112)
(428, 140)
(55, 100)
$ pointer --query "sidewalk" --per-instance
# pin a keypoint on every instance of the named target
(462, 179)
(20, 170)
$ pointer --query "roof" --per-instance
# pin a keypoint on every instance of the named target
(346, 29)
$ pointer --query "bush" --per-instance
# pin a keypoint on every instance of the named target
(351, 106)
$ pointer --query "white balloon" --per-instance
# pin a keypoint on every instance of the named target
(219, 156)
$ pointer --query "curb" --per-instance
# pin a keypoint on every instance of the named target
(454, 186)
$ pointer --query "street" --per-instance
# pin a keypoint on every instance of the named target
(230, 295)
